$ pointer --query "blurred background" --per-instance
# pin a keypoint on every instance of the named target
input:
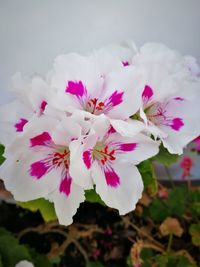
(33, 33)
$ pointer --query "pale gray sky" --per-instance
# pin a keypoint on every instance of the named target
(33, 32)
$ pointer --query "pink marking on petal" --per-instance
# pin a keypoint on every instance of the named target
(111, 130)
(65, 185)
(112, 179)
(75, 88)
(38, 169)
(147, 93)
(125, 63)
(43, 139)
(128, 147)
(19, 126)
(197, 143)
(179, 98)
(43, 106)
(116, 98)
(87, 158)
(177, 124)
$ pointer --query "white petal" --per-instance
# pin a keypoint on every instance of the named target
(66, 131)
(66, 207)
(145, 147)
(31, 91)
(24, 264)
(105, 61)
(127, 194)
(127, 80)
(75, 67)
(127, 128)
(100, 126)
(35, 127)
(65, 102)
(24, 187)
(10, 115)
(123, 52)
(78, 170)
(188, 110)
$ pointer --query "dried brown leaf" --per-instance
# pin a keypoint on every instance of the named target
(171, 226)
(145, 200)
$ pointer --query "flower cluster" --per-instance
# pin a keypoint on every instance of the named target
(92, 119)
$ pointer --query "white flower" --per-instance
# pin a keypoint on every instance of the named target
(192, 65)
(108, 160)
(169, 98)
(38, 163)
(32, 98)
(95, 85)
(173, 118)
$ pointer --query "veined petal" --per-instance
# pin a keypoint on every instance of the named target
(125, 86)
(65, 184)
(129, 188)
(19, 126)
(147, 94)
(133, 149)
(76, 88)
(186, 115)
(23, 186)
(75, 67)
(13, 118)
(112, 178)
(42, 139)
(66, 206)
(79, 168)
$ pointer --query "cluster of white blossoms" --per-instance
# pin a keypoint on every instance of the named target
(92, 119)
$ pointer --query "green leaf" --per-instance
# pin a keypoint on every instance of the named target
(1, 263)
(45, 207)
(194, 231)
(129, 261)
(92, 196)
(165, 157)
(194, 198)
(11, 251)
(166, 260)
(39, 260)
(161, 260)
(158, 210)
(94, 264)
(2, 158)
(148, 176)
(146, 254)
(177, 200)
(196, 209)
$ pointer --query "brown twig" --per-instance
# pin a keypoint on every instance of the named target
(140, 231)
(81, 249)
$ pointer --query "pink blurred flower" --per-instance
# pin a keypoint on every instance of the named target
(163, 193)
(197, 143)
(186, 164)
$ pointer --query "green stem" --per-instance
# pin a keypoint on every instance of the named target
(169, 243)
(169, 176)
(189, 184)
